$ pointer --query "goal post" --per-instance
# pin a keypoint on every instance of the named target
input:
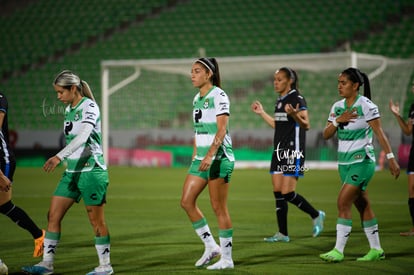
(147, 95)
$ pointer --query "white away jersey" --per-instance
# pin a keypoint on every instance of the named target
(355, 138)
(205, 111)
(90, 153)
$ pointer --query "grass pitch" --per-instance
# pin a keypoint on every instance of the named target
(150, 233)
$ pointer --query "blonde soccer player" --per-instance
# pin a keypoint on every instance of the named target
(85, 177)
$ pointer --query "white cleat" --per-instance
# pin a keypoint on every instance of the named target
(102, 270)
(209, 254)
(221, 264)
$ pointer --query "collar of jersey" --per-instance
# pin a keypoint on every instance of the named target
(79, 103)
(290, 92)
(212, 88)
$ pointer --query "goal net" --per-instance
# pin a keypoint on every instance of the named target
(148, 103)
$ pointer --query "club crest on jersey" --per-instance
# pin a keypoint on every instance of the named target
(77, 115)
(206, 104)
(279, 105)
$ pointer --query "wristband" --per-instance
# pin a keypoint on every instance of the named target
(335, 123)
(390, 155)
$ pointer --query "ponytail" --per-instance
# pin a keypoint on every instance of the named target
(86, 90)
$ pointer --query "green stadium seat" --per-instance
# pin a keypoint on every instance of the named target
(253, 28)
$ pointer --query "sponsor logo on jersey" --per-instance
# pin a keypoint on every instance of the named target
(281, 117)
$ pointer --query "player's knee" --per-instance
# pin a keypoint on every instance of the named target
(7, 207)
(290, 196)
(186, 205)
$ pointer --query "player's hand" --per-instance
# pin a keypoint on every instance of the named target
(205, 163)
(5, 183)
(290, 110)
(394, 167)
(395, 108)
(347, 116)
(257, 107)
(51, 164)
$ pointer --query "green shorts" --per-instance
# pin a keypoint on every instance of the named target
(222, 168)
(89, 185)
(357, 174)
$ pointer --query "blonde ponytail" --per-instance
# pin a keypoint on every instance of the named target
(86, 90)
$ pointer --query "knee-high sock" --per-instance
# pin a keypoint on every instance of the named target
(281, 212)
(226, 243)
(372, 233)
(343, 230)
(20, 217)
(103, 249)
(301, 203)
(50, 244)
(203, 231)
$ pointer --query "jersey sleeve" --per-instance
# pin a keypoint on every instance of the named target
(370, 110)
(91, 113)
(332, 114)
(302, 103)
(222, 103)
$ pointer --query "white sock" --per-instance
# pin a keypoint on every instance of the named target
(49, 250)
(205, 235)
(373, 236)
(104, 251)
(226, 245)
(342, 235)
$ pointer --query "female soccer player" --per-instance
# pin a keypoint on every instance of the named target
(86, 175)
(354, 119)
(7, 168)
(290, 122)
(407, 128)
(212, 163)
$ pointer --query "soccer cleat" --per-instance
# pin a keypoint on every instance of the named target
(278, 237)
(208, 255)
(333, 256)
(318, 224)
(373, 255)
(41, 268)
(221, 264)
(102, 270)
(38, 245)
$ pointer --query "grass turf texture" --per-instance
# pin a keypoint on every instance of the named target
(150, 233)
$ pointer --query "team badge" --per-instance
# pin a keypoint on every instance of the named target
(206, 103)
(77, 116)
(279, 105)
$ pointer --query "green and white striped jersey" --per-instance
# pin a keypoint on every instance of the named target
(205, 111)
(355, 138)
(90, 153)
